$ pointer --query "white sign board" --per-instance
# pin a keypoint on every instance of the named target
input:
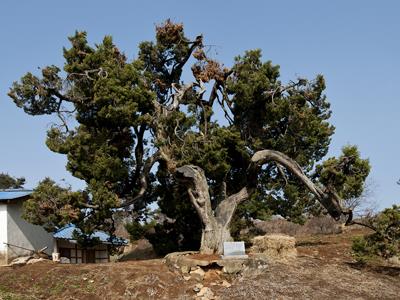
(234, 250)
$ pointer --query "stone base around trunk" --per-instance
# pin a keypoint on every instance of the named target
(188, 262)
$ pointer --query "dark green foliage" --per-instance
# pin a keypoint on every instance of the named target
(106, 96)
(255, 208)
(137, 230)
(170, 49)
(345, 174)
(181, 229)
(165, 239)
(85, 240)
(9, 182)
(244, 230)
(267, 118)
(53, 206)
(385, 241)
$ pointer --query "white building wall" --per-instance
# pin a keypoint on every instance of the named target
(23, 234)
(3, 233)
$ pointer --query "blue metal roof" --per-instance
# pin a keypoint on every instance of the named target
(66, 233)
(14, 194)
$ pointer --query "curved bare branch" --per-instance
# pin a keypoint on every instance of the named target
(226, 209)
(329, 200)
(143, 180)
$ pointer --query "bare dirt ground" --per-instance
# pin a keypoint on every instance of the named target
(324, 269)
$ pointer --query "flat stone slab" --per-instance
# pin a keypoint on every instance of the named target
(234, 256)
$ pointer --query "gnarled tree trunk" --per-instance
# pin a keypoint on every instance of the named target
(216, 224)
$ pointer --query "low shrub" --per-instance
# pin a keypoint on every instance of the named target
(321, 225)
(314, 225)
(138, 230)
(384, 241)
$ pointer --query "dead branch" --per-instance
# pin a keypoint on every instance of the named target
(143, 181)
(222, 104)
(198, 42)
(179, 95)
(195, 180)
(100, 72)
(328, 199)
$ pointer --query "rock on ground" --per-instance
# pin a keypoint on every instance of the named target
(20, 261)
(27, 260)
(395, 260)
(205, 293)
(65, 260)
(197, 274)
(36, 260)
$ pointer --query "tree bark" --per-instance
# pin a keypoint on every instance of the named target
(213, 238)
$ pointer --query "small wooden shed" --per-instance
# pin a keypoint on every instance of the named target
(65, 246)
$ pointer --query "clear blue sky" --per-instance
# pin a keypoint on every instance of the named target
(354, 44)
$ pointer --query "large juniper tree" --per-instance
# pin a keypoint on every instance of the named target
(139, 131)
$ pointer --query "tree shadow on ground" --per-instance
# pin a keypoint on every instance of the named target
(142, 250)
(310, 243)
(385, 270)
